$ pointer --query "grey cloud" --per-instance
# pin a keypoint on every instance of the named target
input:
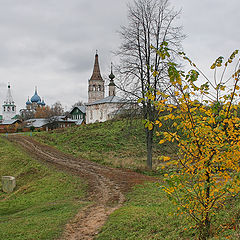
(51, 43)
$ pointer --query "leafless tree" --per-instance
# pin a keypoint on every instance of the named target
(150, 23)
(57, 109)
(78, 103)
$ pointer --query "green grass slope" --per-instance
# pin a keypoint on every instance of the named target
(43, 201)
(117, 143)
(147, 213)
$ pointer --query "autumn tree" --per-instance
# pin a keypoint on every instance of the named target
(49, 112)
(150, 22)
(206, 127)
(43, 112)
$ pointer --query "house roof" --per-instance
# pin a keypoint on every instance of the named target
(81, 108)
(40, 122)
(109, 99)
(62, 119)
(9, 122)
(37, 122)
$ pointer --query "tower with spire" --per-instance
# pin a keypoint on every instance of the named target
(111, 85)
(96, 83)
(9, 107)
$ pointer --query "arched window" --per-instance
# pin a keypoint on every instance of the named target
(101, 116)
(94, 87)
(99, 88)
(91, 114)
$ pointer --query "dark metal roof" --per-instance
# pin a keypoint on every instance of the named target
(81, 108)
(109, 99)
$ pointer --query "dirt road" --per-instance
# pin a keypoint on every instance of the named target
(106, 186)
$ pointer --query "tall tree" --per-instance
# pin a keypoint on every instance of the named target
(150, 23)
(78, 103)
(43, 112)
(205, 124)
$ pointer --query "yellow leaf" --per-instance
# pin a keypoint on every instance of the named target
(166, 158)
(150, 126)
(176, 93)
(162, 141)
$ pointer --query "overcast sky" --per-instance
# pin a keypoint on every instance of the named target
(51, 43)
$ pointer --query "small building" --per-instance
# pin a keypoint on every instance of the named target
(44, 124)
(10, 126)
(36, 124)
(78, 114)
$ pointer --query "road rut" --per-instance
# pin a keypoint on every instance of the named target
(107, 186)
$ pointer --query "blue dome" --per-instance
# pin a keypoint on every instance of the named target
(43, 103)
(35, 98)
(28, 102)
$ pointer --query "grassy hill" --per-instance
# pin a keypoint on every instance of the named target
(44, 198)
(147, 213)
(115, 143)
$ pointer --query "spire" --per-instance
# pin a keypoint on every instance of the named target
(35, 97)
(9, 98)
(96, 75)
(28, 102)
(111, 76)
(111, 85)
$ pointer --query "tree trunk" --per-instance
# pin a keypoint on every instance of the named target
(149, 138)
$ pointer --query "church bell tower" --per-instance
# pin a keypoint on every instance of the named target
(9, 107)
(96, 83)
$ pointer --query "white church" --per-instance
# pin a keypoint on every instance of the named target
(8, 107)
(100, 108)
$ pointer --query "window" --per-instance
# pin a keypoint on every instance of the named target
(91, 114)
(101, 116)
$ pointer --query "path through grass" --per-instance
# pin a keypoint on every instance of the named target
(43, 201)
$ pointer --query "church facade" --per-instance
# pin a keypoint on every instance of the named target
(35, 102)
(32, 105)
(100, 108)
(8, 107)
